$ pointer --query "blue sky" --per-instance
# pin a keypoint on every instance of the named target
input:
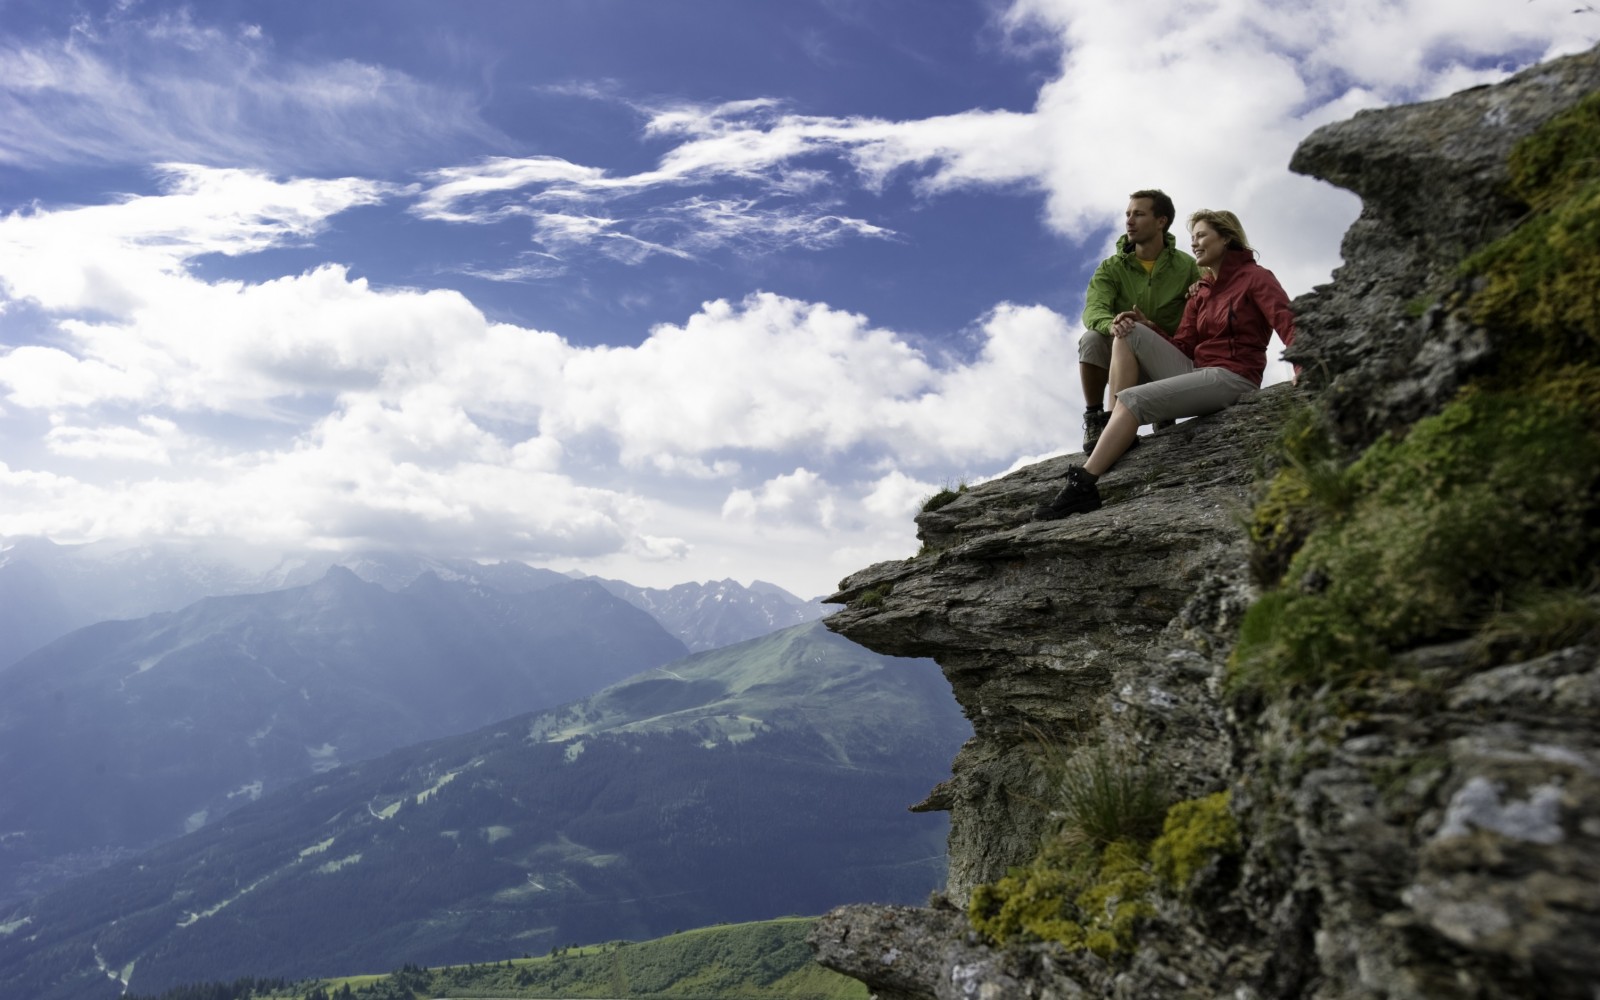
(657, 289)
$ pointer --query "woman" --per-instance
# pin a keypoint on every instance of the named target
(1217, 355)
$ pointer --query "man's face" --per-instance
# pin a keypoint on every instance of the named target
(1143, 224)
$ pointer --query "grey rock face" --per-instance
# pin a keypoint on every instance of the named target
(1430, 834)
(1068, 632)
(1433, 183)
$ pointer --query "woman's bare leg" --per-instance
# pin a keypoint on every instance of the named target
(1120, 431)
(1124, 366)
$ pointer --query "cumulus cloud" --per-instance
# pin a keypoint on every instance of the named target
(800, 496)
(130, 90)
(118, 258)
(374, 415)
(897, 496)
(758, 427)
(151, 441)
(1209, 101)
(362, 416)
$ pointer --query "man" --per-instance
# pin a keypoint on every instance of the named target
(1148, 273)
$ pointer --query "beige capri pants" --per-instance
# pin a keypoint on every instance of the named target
(1172, 386)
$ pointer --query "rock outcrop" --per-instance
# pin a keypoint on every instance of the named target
(1434, 834)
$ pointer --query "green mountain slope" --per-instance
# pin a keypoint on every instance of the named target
(741, 784)
(124, 734)
(766, 960)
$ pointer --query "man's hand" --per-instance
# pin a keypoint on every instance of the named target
(1122, 325)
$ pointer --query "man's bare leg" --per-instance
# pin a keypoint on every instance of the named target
(1094, 380)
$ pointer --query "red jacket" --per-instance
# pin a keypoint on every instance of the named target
(1228, 319)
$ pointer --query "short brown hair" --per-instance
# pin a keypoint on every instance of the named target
(1159, 204)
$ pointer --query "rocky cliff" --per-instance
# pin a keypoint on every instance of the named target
(1346, 633)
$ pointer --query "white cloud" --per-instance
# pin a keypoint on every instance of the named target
(708, 223)
(401, 416)
(800, 497)
(760, 430)
(151, 442)
(1209, 100)
(455, 189)
(897, 496)
(773, 374)
(771, 194)
(119, 258)
(130, 90)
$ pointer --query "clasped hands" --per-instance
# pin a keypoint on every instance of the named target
(1124, 322)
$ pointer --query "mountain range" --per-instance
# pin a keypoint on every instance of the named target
(719, 613)
(48, 590)
(126, 733)
(742, 783)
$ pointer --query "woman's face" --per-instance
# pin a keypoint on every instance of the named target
(1206, 245)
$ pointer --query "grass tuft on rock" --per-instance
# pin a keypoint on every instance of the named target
(1105, 798)
(945, 497)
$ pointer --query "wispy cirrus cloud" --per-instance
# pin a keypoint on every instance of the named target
(128, 90)
(477, 193)
(780, 180)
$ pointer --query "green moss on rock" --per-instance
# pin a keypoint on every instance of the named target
(1195, 834)
(1030, 903)
(1494, 498)
(874, 596)
(1092, 897)
(1080, 898)
(1493, 495)
(1118, 898)
(1539, 282)
(1308, 488)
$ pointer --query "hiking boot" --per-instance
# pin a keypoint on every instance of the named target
(1079, 496)
(1094, 421)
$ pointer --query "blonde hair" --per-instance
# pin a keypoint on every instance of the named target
(1226, 225)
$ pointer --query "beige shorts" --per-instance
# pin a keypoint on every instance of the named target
(1095, 349)
(1173, 386)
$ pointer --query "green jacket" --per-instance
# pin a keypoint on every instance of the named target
(1119, 284)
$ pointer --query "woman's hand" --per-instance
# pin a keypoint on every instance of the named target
(1124, 322)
